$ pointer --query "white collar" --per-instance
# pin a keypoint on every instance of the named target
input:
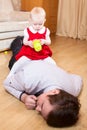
(42, 30)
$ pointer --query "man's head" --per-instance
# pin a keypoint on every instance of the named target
(59, 108)
(37, 16)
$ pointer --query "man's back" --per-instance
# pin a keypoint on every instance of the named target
(38, 75)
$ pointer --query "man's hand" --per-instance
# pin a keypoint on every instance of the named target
(30, 101)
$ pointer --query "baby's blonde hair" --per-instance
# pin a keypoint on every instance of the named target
(37, 13)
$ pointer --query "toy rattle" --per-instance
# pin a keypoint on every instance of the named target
(37, 45)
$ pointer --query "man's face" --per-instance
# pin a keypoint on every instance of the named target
(43, 103)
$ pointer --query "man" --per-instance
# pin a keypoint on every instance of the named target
(48, 89)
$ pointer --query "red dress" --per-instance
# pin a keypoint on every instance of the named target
(30, 52)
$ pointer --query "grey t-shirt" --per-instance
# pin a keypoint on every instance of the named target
(38, 75)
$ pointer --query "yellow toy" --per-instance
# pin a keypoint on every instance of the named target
(37, 45)
(6, 52)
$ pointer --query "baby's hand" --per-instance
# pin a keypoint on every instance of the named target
(27, 43)
(30, 43)
(43, 41)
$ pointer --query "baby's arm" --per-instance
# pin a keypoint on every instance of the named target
(25, 40)
(47, 40)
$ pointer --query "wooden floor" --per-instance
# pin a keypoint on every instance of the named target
(69, 54)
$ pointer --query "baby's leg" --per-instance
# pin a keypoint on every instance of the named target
(50, 60)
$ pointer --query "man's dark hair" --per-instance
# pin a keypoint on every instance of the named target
(66, 110)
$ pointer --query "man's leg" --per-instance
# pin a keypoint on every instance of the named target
(15, 48)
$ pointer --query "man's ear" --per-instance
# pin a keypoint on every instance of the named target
(53, 92)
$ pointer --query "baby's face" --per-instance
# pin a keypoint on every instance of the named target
(38, 24)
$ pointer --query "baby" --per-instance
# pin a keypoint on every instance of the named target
(36, 38)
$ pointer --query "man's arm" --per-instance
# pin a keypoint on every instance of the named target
(14, 85)
(13, 91)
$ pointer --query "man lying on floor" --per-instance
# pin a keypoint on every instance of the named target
(47, 88)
